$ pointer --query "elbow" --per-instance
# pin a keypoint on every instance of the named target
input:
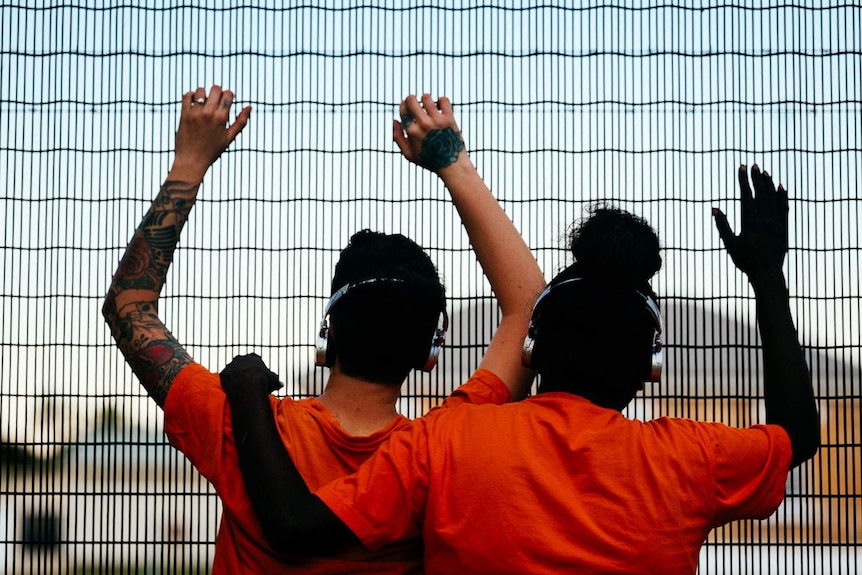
(802, 453)
(805, 442)
(109, 306)
(810, 445)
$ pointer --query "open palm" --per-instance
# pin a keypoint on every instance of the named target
(760, 247)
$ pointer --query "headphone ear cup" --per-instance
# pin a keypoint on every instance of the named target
(437, 342)
(528, 351)
(434, 352)
(656, 355)
(657, 358)
(324, 355)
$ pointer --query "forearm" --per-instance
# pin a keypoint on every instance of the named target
(131, 304)
(433, 140)
(144, 267)
(294, 521)
(788, 390)
(505, 258)
(508, 264)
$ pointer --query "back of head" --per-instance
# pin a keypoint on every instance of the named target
(382, 330)
(594, 336)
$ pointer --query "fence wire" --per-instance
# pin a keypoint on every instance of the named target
(649, 105)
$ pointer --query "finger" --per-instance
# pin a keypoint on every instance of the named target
(783, 202)
(226, 99)
(398, 132)
(746, 198)
(764, 191)
(200, 94)
(428, 104)
(407, 120)
(401, 140)
(411, 106)
(783, 212)
(445, 106)
(239, 124)
(402, 107)
(724, 231)
(214, 97)
(188, 97)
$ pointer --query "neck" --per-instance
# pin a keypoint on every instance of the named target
(599, 395)
(361, 407)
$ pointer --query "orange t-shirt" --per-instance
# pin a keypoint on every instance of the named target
(197, 422)
(555, 484)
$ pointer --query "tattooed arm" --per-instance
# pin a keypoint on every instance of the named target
(131, 305)
(429, 136)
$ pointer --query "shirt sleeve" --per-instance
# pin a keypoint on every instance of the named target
(197, 419)
(482, 387)
(751, 467)
(384, 501)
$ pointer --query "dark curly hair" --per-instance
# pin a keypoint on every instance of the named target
(615, 247)
(383, 330)
(594, 336)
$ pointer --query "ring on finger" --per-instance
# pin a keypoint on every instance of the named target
(406, 120)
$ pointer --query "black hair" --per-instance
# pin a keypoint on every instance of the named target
(384, 329)
(594, 336)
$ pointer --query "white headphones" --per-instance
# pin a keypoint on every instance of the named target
(657, 361)
(320, 355)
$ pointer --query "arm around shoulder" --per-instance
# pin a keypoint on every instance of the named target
(294, 520)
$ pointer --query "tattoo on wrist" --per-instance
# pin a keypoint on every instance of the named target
(440, 148)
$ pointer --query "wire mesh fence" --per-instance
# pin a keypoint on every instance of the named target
(647, 105)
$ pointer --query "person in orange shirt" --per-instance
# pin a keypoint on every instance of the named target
(562, 482)
(386, 317)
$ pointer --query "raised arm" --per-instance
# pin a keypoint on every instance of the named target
(759, 252)
(429, 136)
(131, 305)
(294, 521)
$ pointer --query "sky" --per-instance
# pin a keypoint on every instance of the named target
(646, 105)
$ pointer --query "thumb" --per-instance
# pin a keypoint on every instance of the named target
(401, 140)
(724, 230)
(239, 124)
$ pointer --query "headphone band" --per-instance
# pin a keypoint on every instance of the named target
(342, 291)
(321, 356)
(657, 359)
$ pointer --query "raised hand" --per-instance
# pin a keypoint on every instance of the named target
(428, 134)
(761, 245)
(131, 305)
(759, 251)
(203, 133)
